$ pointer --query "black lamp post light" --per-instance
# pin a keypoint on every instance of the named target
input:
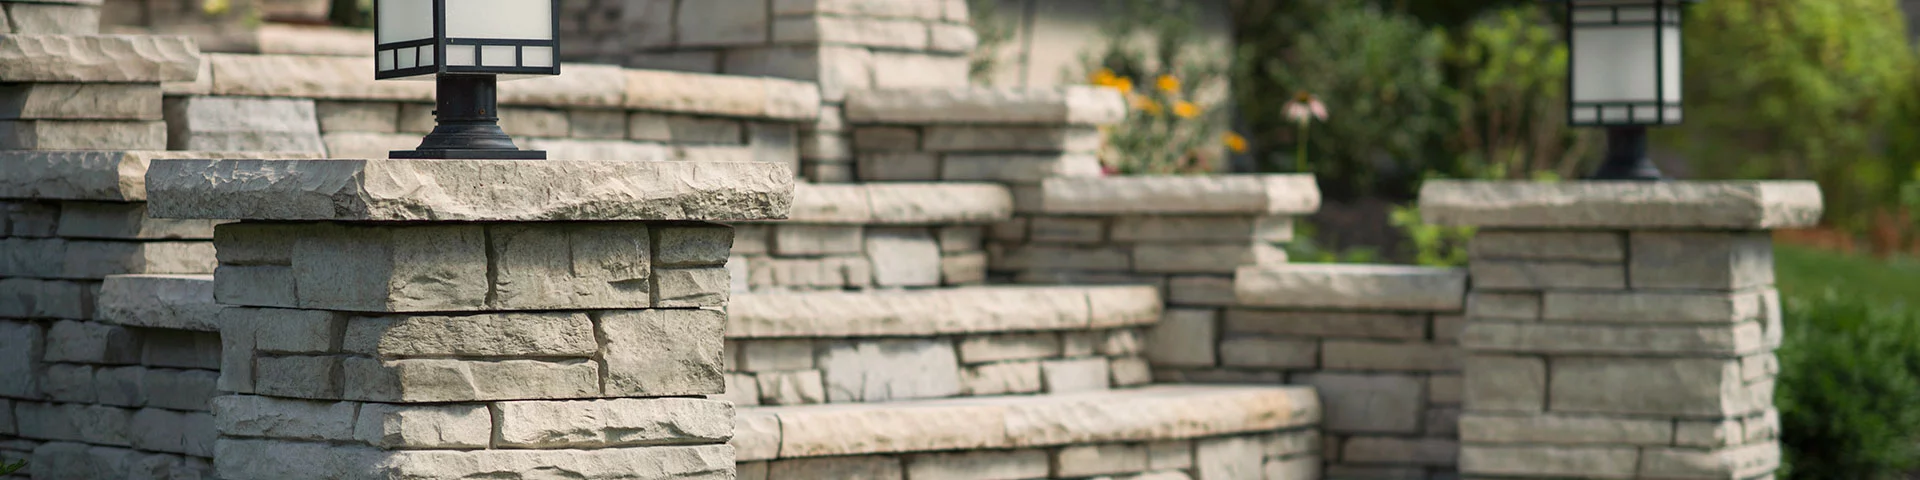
(1624, 74)
(466, 47)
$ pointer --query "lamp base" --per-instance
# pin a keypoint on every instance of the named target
(468, 154)
(1627, 157)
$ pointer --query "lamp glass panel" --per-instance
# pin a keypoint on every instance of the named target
(426, 56)
(500, 19)
(1614, 64)
(497, 56)
(536, 56)
(460, 55)
(1670, 58)
(384, 60)
(403, 20)
(407, 57)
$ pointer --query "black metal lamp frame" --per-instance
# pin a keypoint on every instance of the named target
(1626, 157)
(466, 96)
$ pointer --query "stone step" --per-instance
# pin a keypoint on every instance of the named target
(1169, 432)
(820, 347)
(911, 235)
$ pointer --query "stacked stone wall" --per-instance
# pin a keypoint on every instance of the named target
(872, 236)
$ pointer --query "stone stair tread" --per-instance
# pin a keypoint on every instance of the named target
(921, 312)
(1162, 412)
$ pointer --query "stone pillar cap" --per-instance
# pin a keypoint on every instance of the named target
(1716, 205)
(467, 190)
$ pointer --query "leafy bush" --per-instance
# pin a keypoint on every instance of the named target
(1849, 374)
(1169, 128)
(1802, 89)
(994, 31)
(1379, 74)
(1511, 99)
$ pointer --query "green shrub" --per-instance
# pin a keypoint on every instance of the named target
(1849, 377)
(1510, 100)
(1802, 89)
(1378, 72)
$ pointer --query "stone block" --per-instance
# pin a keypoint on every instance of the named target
(1549, 461)
(1104, 459)
(1120, 342)
(187, 433)
(1293, 467)
(1269, 352)
(82, 135)
(1381, 287)
(180, 349)
(612, 423)
(535, 122)
(53, 18)
(963, 268)
(1746, 461)
(1721, 341)
(188, 390)
(75, 460)
(1596, 247)
(597, 124)
(298, 376)
(237, 340)
(261, 286)
(576, 266)
(703, 461)
(80, 101)
(771, 355)
(712, 24)
(1651, 386)
(242, 124)
(681, 245)
(367, 144)
(1228, 458)
(1184, 337)
(99, 59)
(1547, 275)
(471, 336)
(864, 466)
(662, 352)
(348, 116)
(1011, 346)
(31, 298)
(734, 95)
(1003, 378)
(1554, 429)
(1732, 205)
(1504, 384)
(886, 139)
(1067, 229)
(1130, 371)
(903, 257)
(795, 387)
(391, 426)
(88, 342)
(1060, 257)
(1075, 375)
(422, 380)
(378, 275)
(1199, 290)
(1017, 168)
(66, 382)
(1368, 403)
(800, 239)
(870, 32)
(1011, 139)
(1418, 451)
(122, 387)
(742, 390)
(125, 221)
(916, 70)
(29, 219)
(1708, 433)
(1652, 307)
(1504, 305)
(690, 287)
(258, 416)
(1701, 260)
(1382, 356)
(979, 465)
(1445, 389)
(898, 167)
(756, 436)
(1326, 324)
(882, 370)
(97, 259)
(860, 8)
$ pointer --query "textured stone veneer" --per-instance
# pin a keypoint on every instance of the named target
(1621, 330)
(917, 235)
(454, 319)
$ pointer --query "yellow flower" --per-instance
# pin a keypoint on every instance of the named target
(1186, 109)
(215, 7)
(1170, 84)
(1147, 104)
(1234, 141)
(1104, 77)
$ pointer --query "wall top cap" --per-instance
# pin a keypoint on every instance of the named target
(1072, 105)
(1717, 205)
(98, 58)
(1288, 194)
(467, 190)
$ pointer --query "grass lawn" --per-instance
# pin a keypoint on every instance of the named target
(1802, 270)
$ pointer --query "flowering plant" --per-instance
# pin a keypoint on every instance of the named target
(1303, 111)
(1168, 87)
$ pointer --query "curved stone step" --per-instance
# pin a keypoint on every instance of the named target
(864, 236)
(1171, 432)
(816, 347)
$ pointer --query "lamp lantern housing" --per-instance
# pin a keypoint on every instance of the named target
(466, 47)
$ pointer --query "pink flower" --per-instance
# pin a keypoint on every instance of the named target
(1305, 108)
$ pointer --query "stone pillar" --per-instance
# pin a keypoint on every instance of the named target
(1621, 330)
(463, 319)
